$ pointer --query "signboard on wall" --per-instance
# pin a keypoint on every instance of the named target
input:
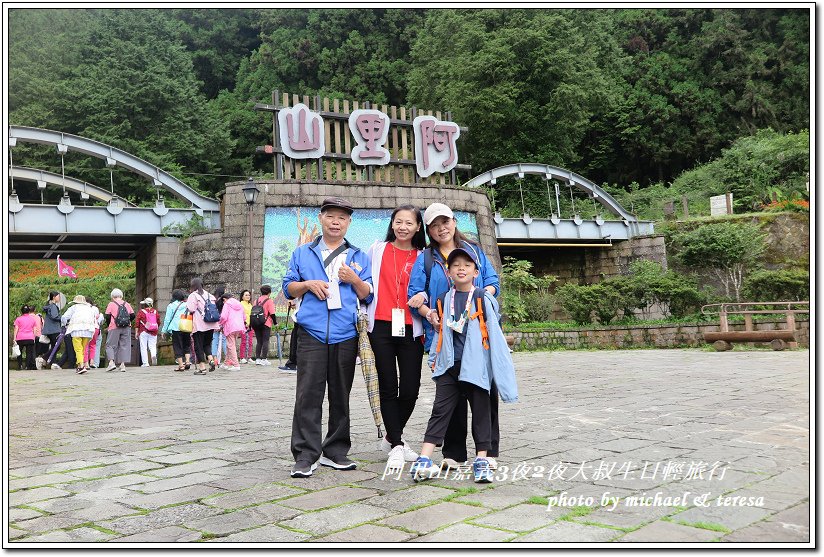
(721, 204)
(285, 228)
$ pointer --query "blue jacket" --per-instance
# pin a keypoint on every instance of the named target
(51, 319)
(439, 281)
(478, 365)
(173, 314)
(327, 326)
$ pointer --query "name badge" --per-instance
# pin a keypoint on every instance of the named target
(333, 300)
(398, 322)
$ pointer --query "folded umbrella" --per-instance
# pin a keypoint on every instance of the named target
(370, 372)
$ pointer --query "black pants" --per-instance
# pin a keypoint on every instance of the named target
(203, 345)
(28, 346)
(180, 343)
(394, 357)
(293, 347)
(262, 336)
(44, 349)
(448, 395)
(319, 365)
(454, 443)
(68, 357)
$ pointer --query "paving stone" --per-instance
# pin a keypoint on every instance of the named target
(18, 513)
(114, 469)
(338, 518)
(792, 525)
(520, 518)
(326, 477)
(34, 470)
(564, 531)
(259, 494)
(729, 517)
(401, 500)
(623, 444)
(244, 519)
(173, 483)
(662, 531)
(116, 481)
(192, 467)
(50, 522)
(67, 536)
(328, 497)
(162, 535)
(465, 532)
(26, 496)
(431, 518)
(38, 481)
(14, 533)
(266, 534)
(368, 533)
(172, 497)
(62, 504)
(170, 516)
(626, 517)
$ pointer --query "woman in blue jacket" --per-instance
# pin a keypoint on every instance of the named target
(444, 236)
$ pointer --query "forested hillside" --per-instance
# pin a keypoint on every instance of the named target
(626, 97)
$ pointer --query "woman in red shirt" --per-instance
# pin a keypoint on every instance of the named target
(395, 330)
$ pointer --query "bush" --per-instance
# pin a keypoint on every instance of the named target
(578, 301)
(517, 283)
(608, 301)
(539, 306)
(777, 286)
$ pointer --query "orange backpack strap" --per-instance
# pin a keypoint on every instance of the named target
(480, 316)
(440, 327)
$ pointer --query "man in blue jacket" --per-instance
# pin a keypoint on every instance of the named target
(330, 276)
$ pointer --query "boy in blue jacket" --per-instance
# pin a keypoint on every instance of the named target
(469, 352)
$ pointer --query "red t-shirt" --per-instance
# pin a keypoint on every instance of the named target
(396, 266)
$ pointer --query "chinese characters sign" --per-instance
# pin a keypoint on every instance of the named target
(301, 134)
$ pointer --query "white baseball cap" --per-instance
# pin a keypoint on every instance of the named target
(148, 302)
(437, 210)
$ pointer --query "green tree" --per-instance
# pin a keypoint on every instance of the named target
(726, 249)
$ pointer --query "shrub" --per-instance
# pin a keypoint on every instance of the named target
(777, 286)
(539, 306)
(518, 282)
(607, 301)
(578, 301)
(793, 205)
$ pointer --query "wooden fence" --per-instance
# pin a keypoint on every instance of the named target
(337, 164)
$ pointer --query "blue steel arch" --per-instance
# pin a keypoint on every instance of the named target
(112, 156)
(554, 173)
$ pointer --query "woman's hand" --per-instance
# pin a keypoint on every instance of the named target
(417, 300)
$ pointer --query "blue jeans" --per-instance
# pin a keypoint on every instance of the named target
(219, 337)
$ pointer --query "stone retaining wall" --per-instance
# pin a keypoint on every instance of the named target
(652, 336)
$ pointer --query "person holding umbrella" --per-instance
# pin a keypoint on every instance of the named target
(331, 276)
(395, 331)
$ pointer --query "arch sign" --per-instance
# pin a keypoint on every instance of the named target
(301, 134)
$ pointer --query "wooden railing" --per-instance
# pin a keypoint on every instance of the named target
(778, 339)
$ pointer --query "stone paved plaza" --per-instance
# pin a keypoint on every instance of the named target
(156, 456)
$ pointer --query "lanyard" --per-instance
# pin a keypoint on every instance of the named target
(458, 325)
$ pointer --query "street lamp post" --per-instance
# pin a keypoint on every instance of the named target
(250, 192)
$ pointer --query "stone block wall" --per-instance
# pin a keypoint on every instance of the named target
(155, 270)
(223, 257)
(652, 336)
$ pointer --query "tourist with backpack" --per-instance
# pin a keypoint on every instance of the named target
(205, 321)
(394, 330)
(429, 282)
(147, 327)
(246, 335)
(52, 329)
(92, 354)
(262, 318)
(171, 326)
(119, 316)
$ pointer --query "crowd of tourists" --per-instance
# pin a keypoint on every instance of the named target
(438, 299)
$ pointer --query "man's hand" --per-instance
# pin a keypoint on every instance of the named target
(319, 288)
(346, 274)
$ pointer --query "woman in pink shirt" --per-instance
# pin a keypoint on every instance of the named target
(26, 329)
(202, 330)
(118, 336)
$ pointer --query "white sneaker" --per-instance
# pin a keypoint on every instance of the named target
(265, 363)
(223, 366)
(39, 362)
(384, 445)
(243, 360)
(408, 454)
(144, 365)
(112, 367)
(493, 464)
(233, 368)
(258, 362)
(396, 460)
(123, 367)
(55, 366)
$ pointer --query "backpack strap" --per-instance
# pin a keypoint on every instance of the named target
(478, 294)
(440, 327)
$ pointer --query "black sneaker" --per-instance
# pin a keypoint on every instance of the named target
(212, 365)
(288, 367)
(303, 469)
(338, 463)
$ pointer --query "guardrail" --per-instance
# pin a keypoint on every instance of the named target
(779, 339)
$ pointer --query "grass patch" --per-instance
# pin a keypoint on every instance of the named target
(94, 527)
(706, 526)
(537, 500)
(574, 512)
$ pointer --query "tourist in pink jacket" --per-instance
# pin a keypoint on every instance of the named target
(233, 320)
